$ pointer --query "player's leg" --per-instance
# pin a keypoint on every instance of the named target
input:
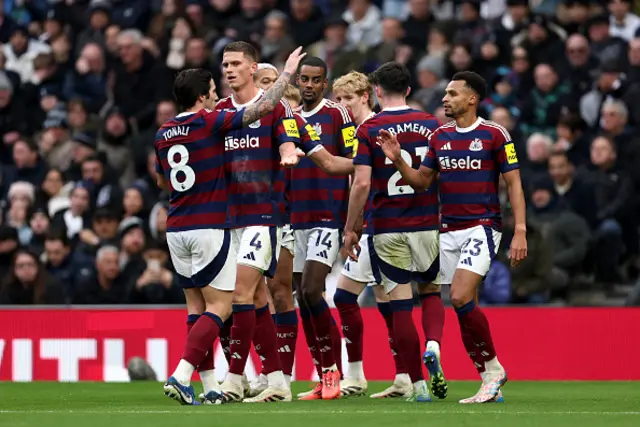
(281, 288)
(401, 386)
(322, 252)
(395, 263)
(425, 250)
(257, 248)
(477, 249)
(212, 272)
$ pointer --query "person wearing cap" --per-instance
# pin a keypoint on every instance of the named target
(84, 146)
(55, 144)
(132, 244)
(604, 46)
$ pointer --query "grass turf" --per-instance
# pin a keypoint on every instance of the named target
(142, 404)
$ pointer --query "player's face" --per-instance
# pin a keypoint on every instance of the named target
(351, 100)
(265, 78)
(457, 99)
(211, 101)
(312, 83)
(238, 69)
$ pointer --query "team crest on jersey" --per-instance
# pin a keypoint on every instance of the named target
(255, 125)
(476, 145)
(318, 128)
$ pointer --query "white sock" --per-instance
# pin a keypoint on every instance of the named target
(356, 371)
(276, 379)
(184, 372)
(433, 346)
(419, 386)
(287, 380)
(330, 368)
(402, 379)
(209, 381)
(493, 366)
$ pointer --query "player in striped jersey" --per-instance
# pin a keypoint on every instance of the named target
(318, 206)
(470, 154)
(405, 225)
(190, 164)
(256, 190)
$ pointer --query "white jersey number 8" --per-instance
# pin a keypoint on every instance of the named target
(393, 189)
(180, 166)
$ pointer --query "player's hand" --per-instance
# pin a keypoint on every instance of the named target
(518, 250)
(390, 145)
(352, 244)
(289, 160)
(291, 66)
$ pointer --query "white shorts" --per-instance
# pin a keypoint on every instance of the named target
(258, 247)
(317, 244)
(365, 270)
(204, 258)
(406, 257)
(471, 249)
(287, 238)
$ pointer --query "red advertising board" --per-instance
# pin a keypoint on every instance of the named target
(532, 343)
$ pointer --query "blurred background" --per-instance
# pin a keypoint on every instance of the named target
(84, 85)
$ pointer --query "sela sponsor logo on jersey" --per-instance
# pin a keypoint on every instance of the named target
(448, 163)
(231, 143)
(176, 131)
(476, 145)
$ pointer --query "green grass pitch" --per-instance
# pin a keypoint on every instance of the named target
(142, 404)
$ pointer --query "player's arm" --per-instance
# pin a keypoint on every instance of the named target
(330, 164)
(161, 182)
(419, 179)
(357, 199)
(272, 97)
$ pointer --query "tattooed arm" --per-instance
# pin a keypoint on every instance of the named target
(270, 99)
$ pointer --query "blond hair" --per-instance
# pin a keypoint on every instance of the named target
(356, 83)
(293, 93)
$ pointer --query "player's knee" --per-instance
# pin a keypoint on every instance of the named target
(282, 299)
(310, 296)
(428, 288)
(459, 297)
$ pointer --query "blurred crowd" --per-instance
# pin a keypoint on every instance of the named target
(84, 85)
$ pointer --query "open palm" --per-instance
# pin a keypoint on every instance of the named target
(389, 144)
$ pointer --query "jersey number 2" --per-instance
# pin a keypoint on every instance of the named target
(393, 189)
(181, 165)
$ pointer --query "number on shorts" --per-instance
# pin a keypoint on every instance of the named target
(255, 242)
(477, 246)
(393, 189)
(180, 166)
(325, 241)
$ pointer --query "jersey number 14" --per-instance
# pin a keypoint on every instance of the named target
(393, 189)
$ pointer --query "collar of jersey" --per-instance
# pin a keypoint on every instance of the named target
(241, 106)
(185, 114)
(398, 108)
(306, 114)
(475, 124)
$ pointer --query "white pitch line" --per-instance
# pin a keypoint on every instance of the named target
(311, 412)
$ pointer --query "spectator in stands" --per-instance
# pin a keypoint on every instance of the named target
(102, 284)
(55, 143)
(385, 51)
(418, 24)
(623, 23)
(339, 54)
(503, 117)
(249, 23)
(431, 82)
(135, 202)
(29, 283)
(103, 231)
(534, 165)
(143, 142)
(363, 19)
(20, 52)
(632, 69)
(106, 190)
(156, 284)
(614, 123)
(54, 193)
(579, 67)
(39, 223)
(158, 220)
(542, 40)
(59, 260)
(613, 189)
(521, 65)
(132, 243)
(114, 140)
(88, 79)
(573, 140)
(12, 114)
(73, 219)
(99, 17)
(566, 233)
(607, 48)
(29, 167)
(512, 22)
(307, 22)
(277, 43)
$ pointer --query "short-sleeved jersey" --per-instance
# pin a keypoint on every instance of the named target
(396, 207)
(256, 179)
(470, 161)
(318, 199)
(190, 155)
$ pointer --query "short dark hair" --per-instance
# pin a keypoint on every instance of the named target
(30, 143)
(392, 77)
(573, 121)
(189, 85)
(313, 61)
(243, 47)
(58, 234)
(473, 81)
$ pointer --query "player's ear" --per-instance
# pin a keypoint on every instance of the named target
(408, 92)
(254, 68)
(325, 84)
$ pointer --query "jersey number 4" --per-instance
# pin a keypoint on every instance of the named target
(181, 166)
(393, 189)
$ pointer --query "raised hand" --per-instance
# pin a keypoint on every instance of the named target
(291, 66)
(389, 144)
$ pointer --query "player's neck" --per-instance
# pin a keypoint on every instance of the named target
(245, 94)
(310, 107)
(466, 120)
(394, 102)
(197, 107)
(362, 115)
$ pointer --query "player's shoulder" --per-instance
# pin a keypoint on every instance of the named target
(338, 110)
(496, 129)
(444, 128)
(225, 103)
(299, 118)
(283, 107)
